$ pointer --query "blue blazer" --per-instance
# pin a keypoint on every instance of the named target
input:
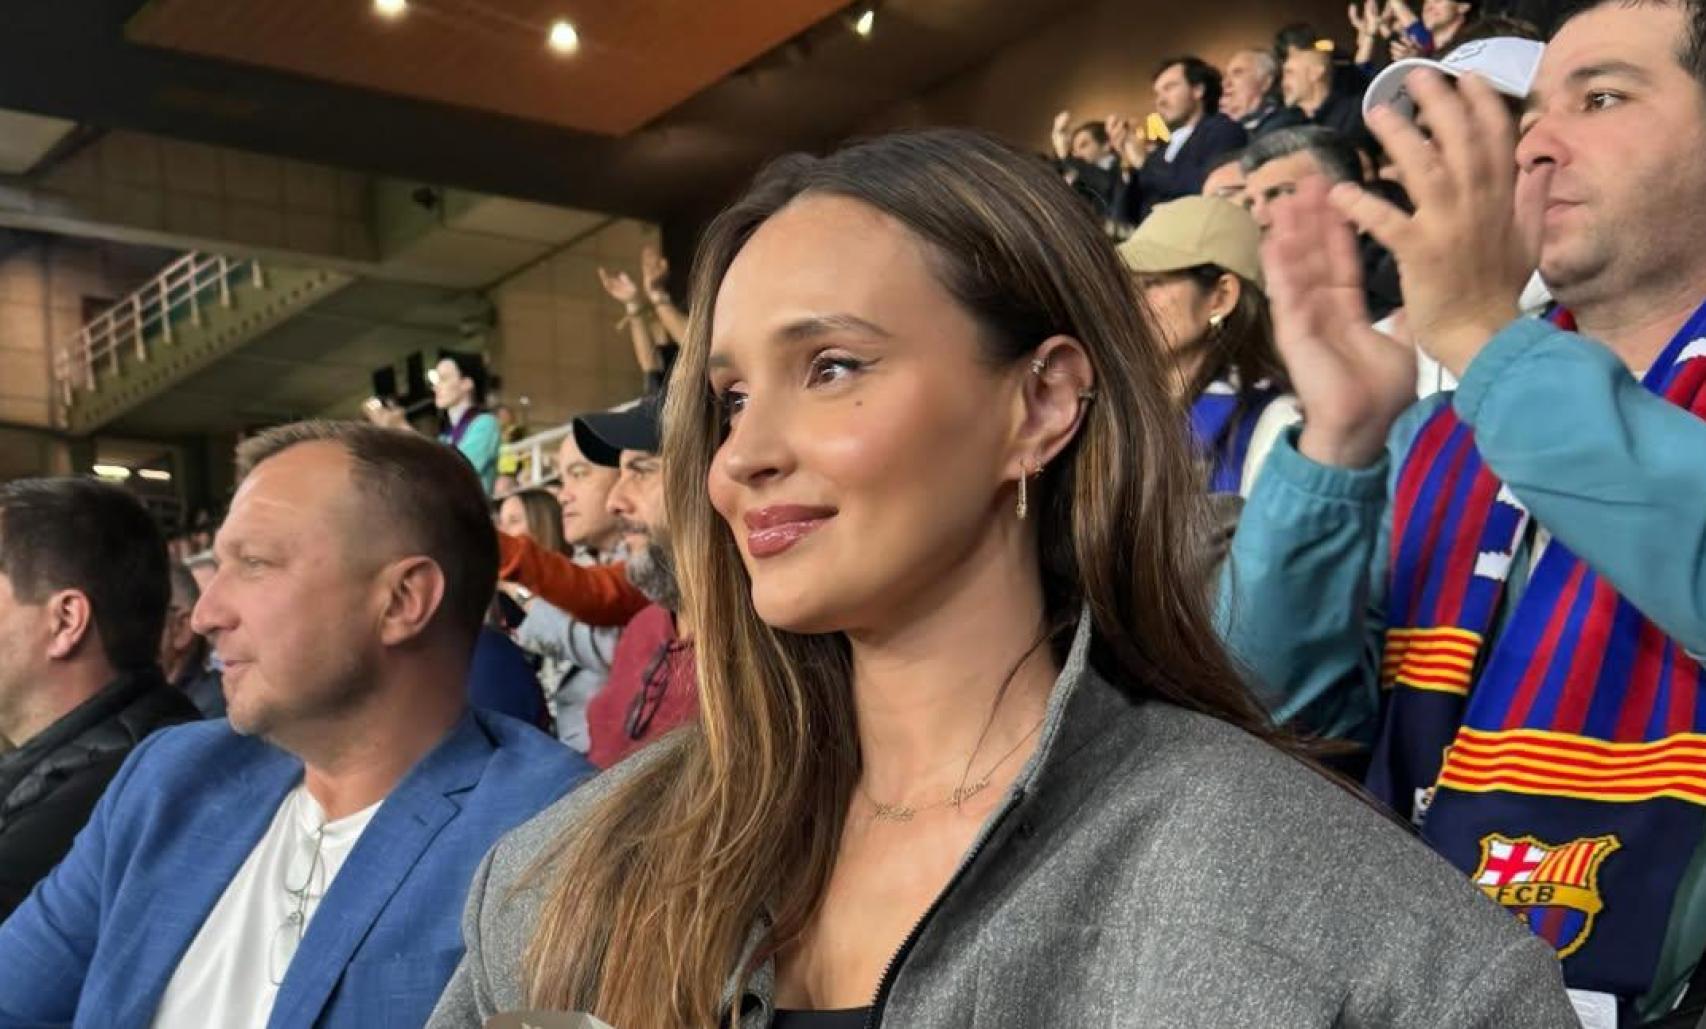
(99, 938)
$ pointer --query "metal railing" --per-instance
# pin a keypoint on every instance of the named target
(533, 453)
(179, 291)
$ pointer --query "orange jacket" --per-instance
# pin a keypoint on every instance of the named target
(594, 594)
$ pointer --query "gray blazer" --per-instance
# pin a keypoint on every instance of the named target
(1150, 867)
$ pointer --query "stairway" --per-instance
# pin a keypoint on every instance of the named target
(199, 309)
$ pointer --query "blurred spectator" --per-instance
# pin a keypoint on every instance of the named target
(1187, 97)
(1323, 97)
(1276, 165)
(652, 687)
(1087, 161)
(655, 324)
(351, 775)
(1252, 94)
(83, 594)
(459, 393)
(535, 514)
(1436, 31)
(184, 652)
(506, 484)
(1225, 179)
(1196, 262)
(576, 656)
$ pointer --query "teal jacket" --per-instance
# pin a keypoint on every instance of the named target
(1616, 473)
(480, 446)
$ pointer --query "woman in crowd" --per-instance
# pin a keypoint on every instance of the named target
(969, 751)
(535, 514)
(1196, 263)
(459, 393)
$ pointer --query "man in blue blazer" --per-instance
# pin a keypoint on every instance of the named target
(306, 862)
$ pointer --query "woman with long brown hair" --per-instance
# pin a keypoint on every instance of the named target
(969, 752)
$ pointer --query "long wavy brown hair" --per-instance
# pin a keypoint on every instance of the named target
(651, 896)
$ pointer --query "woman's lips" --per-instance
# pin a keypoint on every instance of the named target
(773, 530)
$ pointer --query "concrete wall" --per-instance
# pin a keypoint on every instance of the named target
(556, 342)
(43, 284)
(141, 188)
(1098, 59)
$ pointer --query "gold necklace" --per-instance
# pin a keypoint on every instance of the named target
(956, 798)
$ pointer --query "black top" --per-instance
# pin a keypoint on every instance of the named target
(849, 1018)
(49, 785)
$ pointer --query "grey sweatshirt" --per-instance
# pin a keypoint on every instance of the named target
(1150, 867)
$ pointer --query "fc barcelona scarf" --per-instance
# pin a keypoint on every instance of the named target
(1223, 443)
(1563, 763)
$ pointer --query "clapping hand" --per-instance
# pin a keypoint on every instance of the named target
(1465, 255)
(620, 287)
(1351, 381)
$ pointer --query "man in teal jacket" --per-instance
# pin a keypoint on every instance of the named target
(1504, 590)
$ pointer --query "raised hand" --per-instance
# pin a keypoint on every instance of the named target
(1119, 133)
(1351, 381)
(1465, 255)
(620, 287)
(654, 270)
(1366, 20)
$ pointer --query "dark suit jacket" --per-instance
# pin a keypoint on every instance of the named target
(1161, 180)
(49, 785)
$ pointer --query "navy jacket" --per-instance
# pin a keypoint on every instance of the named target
(1161, 180)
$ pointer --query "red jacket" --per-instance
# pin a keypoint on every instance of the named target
(595, 594)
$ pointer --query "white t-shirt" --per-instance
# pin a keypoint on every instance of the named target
(229, 977)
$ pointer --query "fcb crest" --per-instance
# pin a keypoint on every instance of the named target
(1554, 890)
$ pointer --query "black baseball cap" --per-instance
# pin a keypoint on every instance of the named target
(636, 425)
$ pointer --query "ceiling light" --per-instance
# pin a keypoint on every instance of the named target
(866, 21)
(156, 474)
(116, 472)
(563, 38)
(391, 8)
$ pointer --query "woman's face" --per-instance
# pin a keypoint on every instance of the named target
(512, 518)
(1181, 307)
(869, 441)
(449, 386)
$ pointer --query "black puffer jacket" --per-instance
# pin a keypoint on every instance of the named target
(49, 786)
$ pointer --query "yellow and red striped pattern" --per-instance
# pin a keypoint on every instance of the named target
(1555, 764)
(1570, 864)
(1441, 658)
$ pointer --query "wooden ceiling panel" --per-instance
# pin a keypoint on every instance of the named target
(637, 58)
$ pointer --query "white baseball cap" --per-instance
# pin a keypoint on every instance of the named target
(1507, 63)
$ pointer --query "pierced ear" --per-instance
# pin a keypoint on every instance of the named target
(414, 591)
(71, 620)
(1059, 387)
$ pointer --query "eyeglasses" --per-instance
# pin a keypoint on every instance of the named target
(654, 683)
(310, 887)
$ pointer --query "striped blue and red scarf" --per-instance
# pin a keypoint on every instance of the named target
(1562, 763)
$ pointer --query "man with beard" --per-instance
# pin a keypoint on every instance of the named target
(304, 862)
(652, 686)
